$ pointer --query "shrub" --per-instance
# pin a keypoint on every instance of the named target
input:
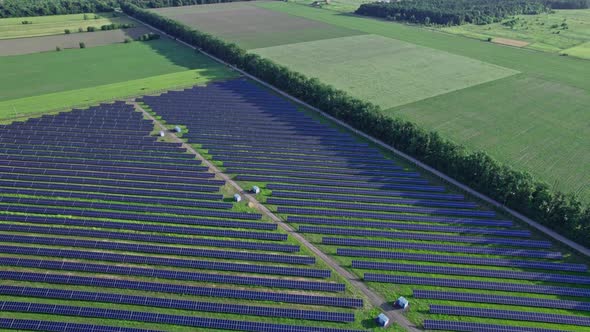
(80, 29)
(85, 17)
(57, 48)
(82, 45)
(91, 29)
(67, 31)
(27, 22)
(127, 40)
(489, 39)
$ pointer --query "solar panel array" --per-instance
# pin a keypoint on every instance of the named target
(92, 192)
(327, 183)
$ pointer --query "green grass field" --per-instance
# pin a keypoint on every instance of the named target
(55, 24)
(543, 32)
(564, 83)
(42, 82)
(386, 71)
(251, 26)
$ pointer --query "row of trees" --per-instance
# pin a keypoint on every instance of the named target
(23, 8)
(568, 4)
(451, 12)
(518, 190)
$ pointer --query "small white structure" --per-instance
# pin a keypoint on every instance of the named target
(237, 198)
(402, 302)
(177, 129)
(162, 133)
(382, 320)
(256, 190)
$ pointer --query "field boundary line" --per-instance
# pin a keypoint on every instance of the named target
(375, 299)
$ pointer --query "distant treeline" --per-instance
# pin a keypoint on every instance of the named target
(451, 12)
(22, 8)
(568, 4)
(517, 190)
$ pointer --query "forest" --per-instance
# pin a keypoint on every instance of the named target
(452, 12)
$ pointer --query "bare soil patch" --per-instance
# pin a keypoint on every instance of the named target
(510, 42)
(49, 43)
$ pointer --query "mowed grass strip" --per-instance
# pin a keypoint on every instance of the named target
(253, 27)
(56, 24)
(385, 71)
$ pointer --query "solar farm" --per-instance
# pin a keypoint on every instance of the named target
(459, 263)
(146, 187)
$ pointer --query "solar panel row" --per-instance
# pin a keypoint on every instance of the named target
(357, 191)
(446, 270)
(441, 248)
(384, 208)
(150, 260)
(52, 326)
(251, 295)
(147, 248)
(463, 260)
(173, 274)
(479, 327)
(412, 227)
(149, 238)
(510, 315)
(425, 237)
(496, 286)
(502, 299)
(177, 304)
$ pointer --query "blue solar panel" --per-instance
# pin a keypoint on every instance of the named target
(412, 227)
(169, 239)
(425, 237)
(463, 260)
(441, 248)
(357, 191)
(52, 326)
(184, 263)
(496, 286)
(447, 270)
(251, 295)
(174, 274)
(193, 321)
(510, 315)
(177, 304)
(374, 207)
(503, 300)
(479, 327)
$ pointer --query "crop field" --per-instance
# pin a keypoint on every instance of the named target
(564, 87)
(400, 231)
(20, 46)
(56, 24)
(385, 71)
(253, 27)
(41, 82)
(107, 218)
(551, 32)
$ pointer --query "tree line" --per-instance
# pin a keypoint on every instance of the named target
(22, 8)
(452, 12)
(518, 190)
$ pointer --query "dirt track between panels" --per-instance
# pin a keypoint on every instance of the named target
(29, 45)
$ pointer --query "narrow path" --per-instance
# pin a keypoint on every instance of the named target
(375, 299)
